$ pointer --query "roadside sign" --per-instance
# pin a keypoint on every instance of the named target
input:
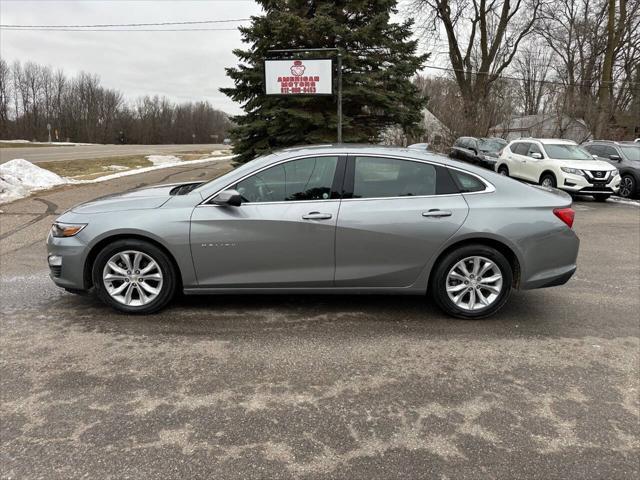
(298, 77)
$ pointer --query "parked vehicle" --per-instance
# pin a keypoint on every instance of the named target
(559, 164)
(326, 219)
(625, 156)
(478, 151)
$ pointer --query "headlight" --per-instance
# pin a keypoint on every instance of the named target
(66, 229)
(615, 173)
(574, 171)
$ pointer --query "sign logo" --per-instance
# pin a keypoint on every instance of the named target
(298, 77)
(297, 68)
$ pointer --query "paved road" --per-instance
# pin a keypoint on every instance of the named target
(319, 387)
(48, 154)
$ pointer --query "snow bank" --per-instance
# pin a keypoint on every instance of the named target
(163, 159)
(46, 143)
(18, 178)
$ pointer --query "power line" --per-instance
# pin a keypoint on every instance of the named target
(119, 29)
(105, 25)
(520, 79)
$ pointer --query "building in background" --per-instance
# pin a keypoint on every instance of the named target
(542, 126)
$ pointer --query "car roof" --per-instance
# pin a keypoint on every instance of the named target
(545, 141)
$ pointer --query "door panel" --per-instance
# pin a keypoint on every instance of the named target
(388, 242)
(265, 245)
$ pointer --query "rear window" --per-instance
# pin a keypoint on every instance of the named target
(467, 183)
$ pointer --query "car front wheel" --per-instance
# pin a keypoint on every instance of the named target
(548, 180)
(472, 282)
(134, 276)
(503, 171)
(627, 186)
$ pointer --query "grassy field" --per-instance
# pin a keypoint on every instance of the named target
(93, 168)
(87, 169)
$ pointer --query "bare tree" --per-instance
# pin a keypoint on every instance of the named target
(483, 37)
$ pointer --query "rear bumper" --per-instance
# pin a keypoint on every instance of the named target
(550, 278)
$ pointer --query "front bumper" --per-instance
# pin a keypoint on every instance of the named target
(68, 257)
(582, 185)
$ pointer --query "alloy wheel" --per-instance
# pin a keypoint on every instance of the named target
(474, 283)
(626, 187)
(132, 278)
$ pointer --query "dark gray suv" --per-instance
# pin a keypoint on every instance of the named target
(625, 156)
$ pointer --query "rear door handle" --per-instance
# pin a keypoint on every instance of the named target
(435, 213)
(316, 216)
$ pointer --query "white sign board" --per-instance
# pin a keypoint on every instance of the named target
(298, 77)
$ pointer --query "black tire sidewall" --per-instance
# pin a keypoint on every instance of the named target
(161, 258)
(439, 279)
(505, 169)
(554, 183)
(632, 193)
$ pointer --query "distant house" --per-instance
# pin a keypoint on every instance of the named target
(542, 126)
(435, 132)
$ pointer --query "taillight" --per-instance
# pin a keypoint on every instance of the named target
(566, 215)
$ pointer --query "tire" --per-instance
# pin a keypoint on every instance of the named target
(503, 170)
(601, 197)
(627, 186)
(548, 180)
(441, 278)
(142, 300)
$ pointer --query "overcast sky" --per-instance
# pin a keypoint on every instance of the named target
(181, 65)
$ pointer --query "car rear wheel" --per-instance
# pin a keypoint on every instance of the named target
(503, 170)
(134, 276)
(472, 282)
(601, 197)
(548, 180)
(627, 186)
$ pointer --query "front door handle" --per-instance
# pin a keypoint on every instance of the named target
(316, 216)
(435, 213)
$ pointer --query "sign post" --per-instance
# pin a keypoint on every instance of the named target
(295, 76)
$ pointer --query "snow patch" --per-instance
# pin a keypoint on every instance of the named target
(46, 143)
(164, 159)
(625, 201)
(18, 178)
(115, 168)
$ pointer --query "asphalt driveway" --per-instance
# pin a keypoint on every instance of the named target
(319, 387)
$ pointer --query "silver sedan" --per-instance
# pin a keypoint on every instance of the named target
(327, 219)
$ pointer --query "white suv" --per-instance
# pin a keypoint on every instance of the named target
(560, 164)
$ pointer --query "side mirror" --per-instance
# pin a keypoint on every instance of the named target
(536, 155)
(615, 158)
(228, 197)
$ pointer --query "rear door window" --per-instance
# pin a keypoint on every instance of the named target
(376, 177)
(520, 148)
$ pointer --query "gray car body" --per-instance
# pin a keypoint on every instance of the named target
(369, 245)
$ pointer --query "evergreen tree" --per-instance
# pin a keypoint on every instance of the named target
(379, 61)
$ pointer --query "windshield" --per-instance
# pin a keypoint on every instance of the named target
(632, 153)
(491, 144)
(567, 152)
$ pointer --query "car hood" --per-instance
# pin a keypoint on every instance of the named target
(586, 164)
(140, 199)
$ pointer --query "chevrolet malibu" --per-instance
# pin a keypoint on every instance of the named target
(326, 219)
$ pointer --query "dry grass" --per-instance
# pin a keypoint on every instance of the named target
(94, 168)
(28, 145)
